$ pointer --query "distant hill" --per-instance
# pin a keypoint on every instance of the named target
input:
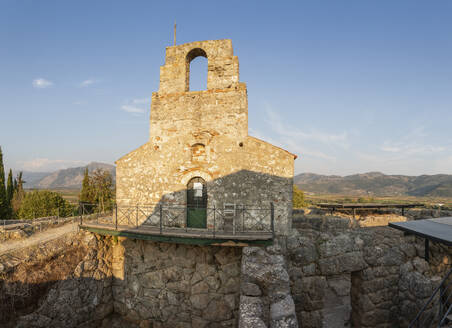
(377, 183)
(70, 178)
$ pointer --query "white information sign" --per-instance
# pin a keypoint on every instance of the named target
(197, 186)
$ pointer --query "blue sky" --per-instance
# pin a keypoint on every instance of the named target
(350, 86)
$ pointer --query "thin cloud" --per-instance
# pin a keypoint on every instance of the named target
(412, 143)
(286, 130)
(412, 149)
(294, 146)
(390, 149)
(295, 140)
(87, 83)
(132, 109)
(136, 106)
(46, 164)
(140, 101)
(41, 83)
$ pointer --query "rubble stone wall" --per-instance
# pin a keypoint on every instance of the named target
(63, 283)
(343, 275)
(265, 298)
(169, 285)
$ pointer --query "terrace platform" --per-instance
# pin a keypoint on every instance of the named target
(180, 235)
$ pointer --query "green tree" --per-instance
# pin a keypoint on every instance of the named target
(98, 189)
(298, 198)
(18, 195)
(102, 186)
(9, 193)
(86, 194)
(3, 198)
(42, 203)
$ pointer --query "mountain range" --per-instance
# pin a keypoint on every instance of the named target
(70, 178)
(371, 183)
(376, 183)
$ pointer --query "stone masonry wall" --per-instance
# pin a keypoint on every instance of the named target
(82, 297)
(169, 285)
(343, 275)
(265, 299)
(222, 71)
(327, 273)
(204, 134)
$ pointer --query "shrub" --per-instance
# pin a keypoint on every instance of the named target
(42, 203)
(298, 198)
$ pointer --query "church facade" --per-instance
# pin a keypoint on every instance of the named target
(199, 155)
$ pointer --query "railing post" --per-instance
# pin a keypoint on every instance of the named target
(243, 218)
(161, 214)
(116, 216)
(214, 223)
(234, 221)
(441, 290)
(187, 210)
(186, 218)
(272, 219)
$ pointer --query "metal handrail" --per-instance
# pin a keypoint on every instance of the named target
(170, 216)
(438, 289)
(445, 316)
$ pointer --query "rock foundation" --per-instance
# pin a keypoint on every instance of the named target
(327, 273)
(343, 275)
(172, 285)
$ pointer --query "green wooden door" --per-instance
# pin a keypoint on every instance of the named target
(197, 203)
(197, 218)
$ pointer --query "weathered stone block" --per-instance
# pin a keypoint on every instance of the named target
(342, 263)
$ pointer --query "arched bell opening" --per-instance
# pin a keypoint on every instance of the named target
(196, 70)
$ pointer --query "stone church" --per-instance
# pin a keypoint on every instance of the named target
(199, 154)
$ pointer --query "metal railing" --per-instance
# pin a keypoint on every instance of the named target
(163, 217)
(31, 226)
(442, 294)
(89, 212)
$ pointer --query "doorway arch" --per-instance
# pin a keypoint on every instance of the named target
(197, 203)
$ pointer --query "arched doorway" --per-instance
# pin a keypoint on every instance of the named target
(197, 203)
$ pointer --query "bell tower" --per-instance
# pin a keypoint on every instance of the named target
(222, 109)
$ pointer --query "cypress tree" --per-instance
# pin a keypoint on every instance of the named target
(85, 193)
(9, 186)
(3, 199)
(9, 193)
(18, 195)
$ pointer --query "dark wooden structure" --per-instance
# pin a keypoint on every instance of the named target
(436, 230)
(440, 231)
(366, 206)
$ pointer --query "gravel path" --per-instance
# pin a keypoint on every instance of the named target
(37, 238)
